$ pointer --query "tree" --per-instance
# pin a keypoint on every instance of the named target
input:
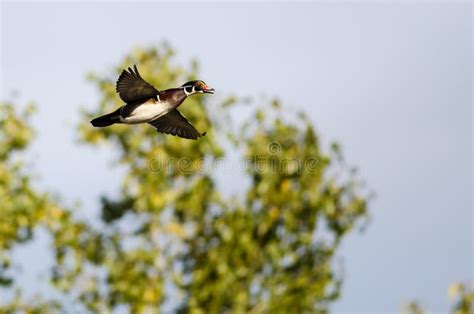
(22, 209)
(175, 241)
(462, 297)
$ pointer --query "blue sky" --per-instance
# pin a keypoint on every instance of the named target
(392, 82)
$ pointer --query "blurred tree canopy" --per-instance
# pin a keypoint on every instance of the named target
(174, 241)
(461, 296)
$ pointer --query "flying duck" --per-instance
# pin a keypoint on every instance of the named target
(145, 104)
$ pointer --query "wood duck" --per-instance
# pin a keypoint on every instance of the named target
(145, 104)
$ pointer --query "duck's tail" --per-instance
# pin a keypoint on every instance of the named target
(107, 119)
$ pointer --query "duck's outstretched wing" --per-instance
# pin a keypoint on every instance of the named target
(132, 88)
(175, 124)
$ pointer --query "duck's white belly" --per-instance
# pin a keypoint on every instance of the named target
(146, 112)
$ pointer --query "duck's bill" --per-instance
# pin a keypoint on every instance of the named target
(209, 90)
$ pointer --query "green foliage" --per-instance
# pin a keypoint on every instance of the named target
(270, 248)
(21, 207)
(413, 308)
(33, 306)
(462, 297)
(23, 210)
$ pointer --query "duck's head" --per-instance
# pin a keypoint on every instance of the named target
(197, 87)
